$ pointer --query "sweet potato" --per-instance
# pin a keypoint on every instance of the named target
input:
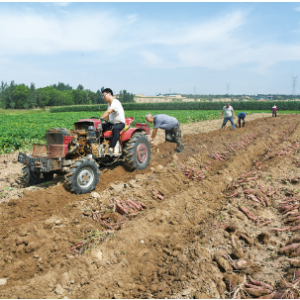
(233, 195)
(288, 249)
(259, 283)
(248, 213)
(247, 174)
(252, 197)
(252, 178)
(261, 201)
(248, 191)
(264, 223)
(131, 205)
(289, 208)
(285, 207)
(159, 194)
(293, 212)
(280, 229)
(296, 228)
(252, 286)
(142, 204)
(262, 189)
(120, 209)
(268, 203)
(134, 204)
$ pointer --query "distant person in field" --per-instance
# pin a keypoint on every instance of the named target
(274, 111)
(116, 117)
(241, 117)
(228, 113)
(171, 127)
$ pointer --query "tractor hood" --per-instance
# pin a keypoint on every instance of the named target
(83, 124)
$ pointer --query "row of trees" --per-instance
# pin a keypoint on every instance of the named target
(20, 96)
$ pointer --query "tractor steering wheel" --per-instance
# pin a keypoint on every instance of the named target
(103, 120)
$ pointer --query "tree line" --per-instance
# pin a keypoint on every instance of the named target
(21, 96)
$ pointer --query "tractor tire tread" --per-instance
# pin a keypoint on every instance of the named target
(71, 181)
(130, 159)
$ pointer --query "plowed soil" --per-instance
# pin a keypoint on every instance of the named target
(208, 229)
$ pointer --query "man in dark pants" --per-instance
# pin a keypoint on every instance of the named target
(170, 125)
(229, 115)
(241, 117)
(116, 116)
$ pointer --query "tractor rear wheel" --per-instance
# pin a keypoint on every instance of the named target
(83, 176)
(137, 152)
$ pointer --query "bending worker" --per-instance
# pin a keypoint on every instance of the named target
(241, 116)
(170, 125)
(229, 115)
(116, 116)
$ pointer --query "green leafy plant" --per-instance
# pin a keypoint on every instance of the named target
(90, 240)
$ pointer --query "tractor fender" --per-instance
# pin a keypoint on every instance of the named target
(127, 134)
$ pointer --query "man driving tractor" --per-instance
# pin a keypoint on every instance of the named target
(116, 117)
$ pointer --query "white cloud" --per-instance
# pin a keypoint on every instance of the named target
(31, 33)
(297, 8)
(219, 44)
(132, 18)
(198, 32)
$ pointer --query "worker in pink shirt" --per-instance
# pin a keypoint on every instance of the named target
(274, 111)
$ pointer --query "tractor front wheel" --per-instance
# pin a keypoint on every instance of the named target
(83, 176)
(35, 177)
(137, 152)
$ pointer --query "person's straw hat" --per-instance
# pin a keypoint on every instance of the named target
(274, 106)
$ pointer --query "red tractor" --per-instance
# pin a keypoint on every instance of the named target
(78, 153)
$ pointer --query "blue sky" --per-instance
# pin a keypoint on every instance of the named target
(153, 47)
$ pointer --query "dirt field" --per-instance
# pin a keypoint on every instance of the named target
(221, 221)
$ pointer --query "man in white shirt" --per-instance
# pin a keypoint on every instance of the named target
(116, 116)
(229, 115)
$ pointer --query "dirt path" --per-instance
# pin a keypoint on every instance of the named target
(194, 242)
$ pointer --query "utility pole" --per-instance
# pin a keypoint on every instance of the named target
(294, 85)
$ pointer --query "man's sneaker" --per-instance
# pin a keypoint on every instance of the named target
(109, 153)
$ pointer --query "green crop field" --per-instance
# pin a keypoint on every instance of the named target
(20, 129)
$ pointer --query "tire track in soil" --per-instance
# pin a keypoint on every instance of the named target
(158, 254)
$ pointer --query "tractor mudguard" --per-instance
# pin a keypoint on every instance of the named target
(128, 133)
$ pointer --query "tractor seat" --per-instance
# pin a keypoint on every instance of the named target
(128, 121)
